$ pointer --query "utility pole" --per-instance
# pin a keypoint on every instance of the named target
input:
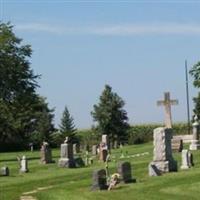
(187, 97)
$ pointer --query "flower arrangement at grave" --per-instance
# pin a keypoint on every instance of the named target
(114, 180)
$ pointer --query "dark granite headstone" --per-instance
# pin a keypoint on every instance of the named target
(190, 159)
(104, 154)
(79, 162)
(5, 171)
(99, 180)
(124, 169)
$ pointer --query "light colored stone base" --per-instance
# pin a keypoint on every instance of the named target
(156, 168)
(185, 167)
(194, 145)
(65, 162)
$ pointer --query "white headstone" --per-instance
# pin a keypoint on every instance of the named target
(24, 165)
(185, 159)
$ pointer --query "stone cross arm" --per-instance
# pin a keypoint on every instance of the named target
(172, 102)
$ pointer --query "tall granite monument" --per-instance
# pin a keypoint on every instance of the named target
(162, 160)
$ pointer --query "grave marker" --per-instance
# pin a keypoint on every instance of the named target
(24, 165)
(124, 169)
(195, 144)
(162, 159)
(167, 102)
(185, 159)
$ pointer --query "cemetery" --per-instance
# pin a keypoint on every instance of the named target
(122, 147)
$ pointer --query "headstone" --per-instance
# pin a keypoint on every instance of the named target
(79, 162)
(45, 151)
(195, 144)
(177, 145)
(115, 144)
(94, 150)
(124, 169)
(162, 160)
(76, 148)
(190, 159)
(103, 155)
(105, 140)
(24, 165)
(66, 154)
(5, 171)
(167, 104)
(99, 180)
(31, 146)
(86, 158)
(185, 160)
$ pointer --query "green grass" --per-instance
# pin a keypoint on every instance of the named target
(75, 184)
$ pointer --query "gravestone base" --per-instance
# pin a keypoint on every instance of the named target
(194, 145)
(185, 167)
(157, 168)
(65, 162)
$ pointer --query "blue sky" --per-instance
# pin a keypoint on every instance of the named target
(138, 47)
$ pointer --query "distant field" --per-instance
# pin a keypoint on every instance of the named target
(75, 184)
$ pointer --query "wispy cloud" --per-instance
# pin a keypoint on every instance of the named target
(115, 30)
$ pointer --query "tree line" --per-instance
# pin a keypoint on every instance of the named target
(25, 116)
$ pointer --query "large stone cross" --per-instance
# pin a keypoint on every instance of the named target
(167, 104)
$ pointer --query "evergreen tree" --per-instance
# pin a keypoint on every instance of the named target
(67, 127)
(110, 116)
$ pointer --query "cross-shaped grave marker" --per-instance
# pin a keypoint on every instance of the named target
(167, 102)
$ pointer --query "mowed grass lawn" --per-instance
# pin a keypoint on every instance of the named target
(75, 184)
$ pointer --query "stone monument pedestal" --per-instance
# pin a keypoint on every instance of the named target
(160, 167)
(66, 162)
